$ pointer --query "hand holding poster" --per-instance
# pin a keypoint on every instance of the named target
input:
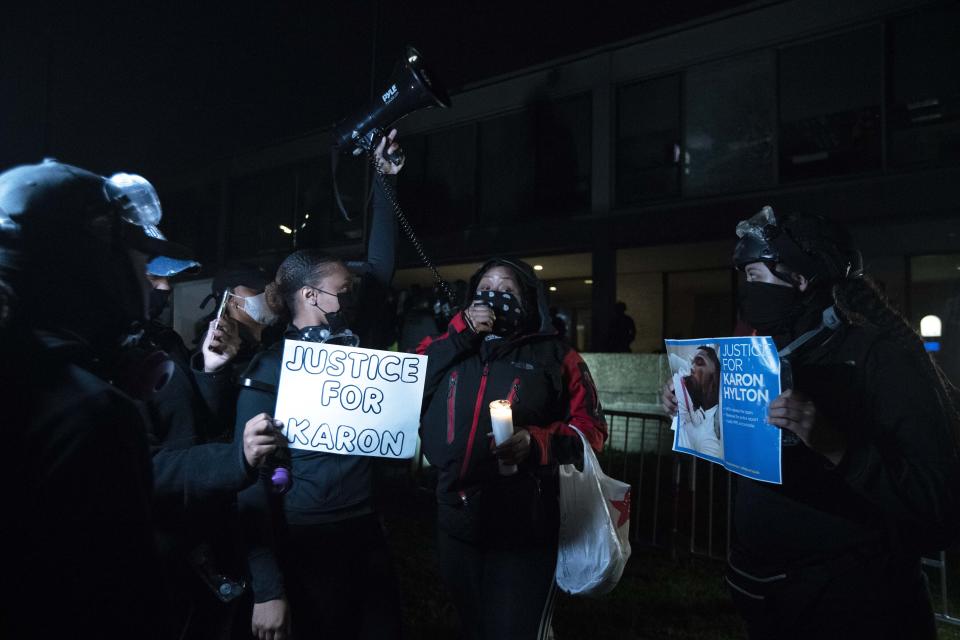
(350, 401)
(724, 387)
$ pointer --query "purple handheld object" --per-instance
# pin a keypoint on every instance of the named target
(280, 480)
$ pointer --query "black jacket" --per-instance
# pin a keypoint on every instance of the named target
(549, 387)
(897, 489)
(326, 487)
(193, 460)
(76, 496)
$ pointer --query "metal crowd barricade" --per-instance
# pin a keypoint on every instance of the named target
(679, 502)
(941, 594)
(669, 491)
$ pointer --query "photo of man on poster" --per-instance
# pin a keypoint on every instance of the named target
(696, 378)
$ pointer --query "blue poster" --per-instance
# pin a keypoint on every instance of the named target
(724, 387)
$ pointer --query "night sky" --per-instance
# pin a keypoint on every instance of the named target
(161, 87)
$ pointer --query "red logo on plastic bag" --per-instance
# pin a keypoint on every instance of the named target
(623, 506)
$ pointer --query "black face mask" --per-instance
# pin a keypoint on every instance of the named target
(508, 314)
(771, 309)
(340, 320)
(159, 299)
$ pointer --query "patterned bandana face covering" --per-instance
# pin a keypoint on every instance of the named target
(508, 314)
(323, 335)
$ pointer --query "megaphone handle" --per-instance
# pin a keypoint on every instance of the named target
(408, 229)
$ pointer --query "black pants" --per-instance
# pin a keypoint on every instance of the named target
(877, 598)
(340, 581)
(500, 593)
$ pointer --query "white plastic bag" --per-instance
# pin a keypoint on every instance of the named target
(594, 527)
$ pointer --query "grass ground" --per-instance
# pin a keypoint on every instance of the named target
(658, 597)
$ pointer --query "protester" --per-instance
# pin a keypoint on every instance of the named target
(246, 306)
(256, 327)
(197, 470)
(622, 330)
(76, 487)
(497, 539)
(559, 321)
(317, 554)
(869, 433)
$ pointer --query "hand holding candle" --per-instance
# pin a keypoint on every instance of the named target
(501, 417)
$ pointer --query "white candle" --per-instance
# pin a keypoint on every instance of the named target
(501, 417)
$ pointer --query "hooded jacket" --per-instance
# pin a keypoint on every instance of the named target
(549, 387)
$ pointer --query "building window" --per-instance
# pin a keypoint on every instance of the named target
(924, 109)
(506, 166)
(318, 219)
(438, 183)
(293, 207)
(648, 141)
(730, 110)
(564, 155)
(830, 95)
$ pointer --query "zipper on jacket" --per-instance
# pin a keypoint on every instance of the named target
(476, 420)
(514, 391)
(451, 403)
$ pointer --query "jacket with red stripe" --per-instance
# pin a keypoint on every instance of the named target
(547, 383)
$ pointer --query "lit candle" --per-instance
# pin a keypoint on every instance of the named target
(501, 417)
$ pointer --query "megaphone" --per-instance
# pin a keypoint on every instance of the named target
(410, 87)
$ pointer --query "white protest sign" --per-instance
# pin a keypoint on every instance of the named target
(350, 401)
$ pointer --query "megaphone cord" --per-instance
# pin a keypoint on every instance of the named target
(408, 231)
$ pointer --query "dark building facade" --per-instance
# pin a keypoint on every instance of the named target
(623, 170)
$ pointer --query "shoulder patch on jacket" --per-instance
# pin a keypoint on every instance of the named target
(593, 399)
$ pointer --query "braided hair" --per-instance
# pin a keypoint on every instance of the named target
(860, 301)
(301, 268)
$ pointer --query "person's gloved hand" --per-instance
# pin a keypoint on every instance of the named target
(794, 411)
(514, 449)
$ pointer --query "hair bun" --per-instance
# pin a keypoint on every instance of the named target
(275, 299)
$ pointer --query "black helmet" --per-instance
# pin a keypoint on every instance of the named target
(812, 246)
(50, 201)
(65, 229)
